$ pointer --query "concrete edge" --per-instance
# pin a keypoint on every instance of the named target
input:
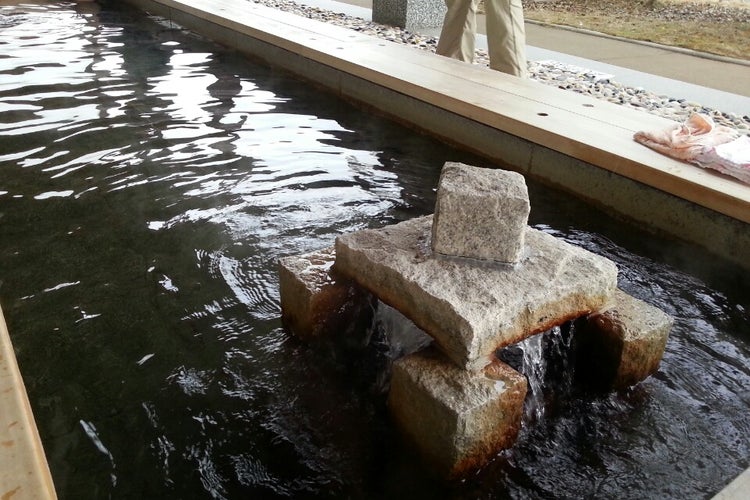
(23, 466)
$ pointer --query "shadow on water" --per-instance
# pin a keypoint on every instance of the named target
(149, 182)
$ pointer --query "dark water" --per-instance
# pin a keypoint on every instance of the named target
(150, 180)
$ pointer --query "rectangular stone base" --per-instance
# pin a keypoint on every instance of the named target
(622, 345)
(458, 420)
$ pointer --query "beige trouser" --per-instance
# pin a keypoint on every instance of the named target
(506, 36)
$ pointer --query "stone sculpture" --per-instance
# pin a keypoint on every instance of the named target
(476, 278)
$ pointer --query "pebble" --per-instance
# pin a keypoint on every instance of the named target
(568, 77)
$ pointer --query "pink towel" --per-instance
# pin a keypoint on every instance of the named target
(701, 142)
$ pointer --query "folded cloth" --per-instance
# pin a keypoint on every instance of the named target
(685, 141)
(701, 142)
(731, 158)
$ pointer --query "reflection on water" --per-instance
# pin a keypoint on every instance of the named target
(149, 181)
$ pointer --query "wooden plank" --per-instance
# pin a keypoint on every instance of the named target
(24, 472)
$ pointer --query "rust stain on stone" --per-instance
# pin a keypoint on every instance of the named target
(505, 434)
(10, 493)
(7, 444)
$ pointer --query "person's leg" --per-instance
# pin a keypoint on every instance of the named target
(506, 36)
(457, 37)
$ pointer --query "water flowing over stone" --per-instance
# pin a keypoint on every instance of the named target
(534, 367)
(403, 336)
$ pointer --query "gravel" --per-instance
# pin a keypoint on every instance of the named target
(566, 77)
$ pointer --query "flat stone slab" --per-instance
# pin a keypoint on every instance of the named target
(458, 420)
(471, 307)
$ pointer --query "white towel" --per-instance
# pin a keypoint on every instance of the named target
(731, 158)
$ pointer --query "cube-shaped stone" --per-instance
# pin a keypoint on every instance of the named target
(622, 345)
(480, 213)
(312, 299)
(457, 420)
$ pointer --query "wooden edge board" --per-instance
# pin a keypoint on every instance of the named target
(23, 466)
